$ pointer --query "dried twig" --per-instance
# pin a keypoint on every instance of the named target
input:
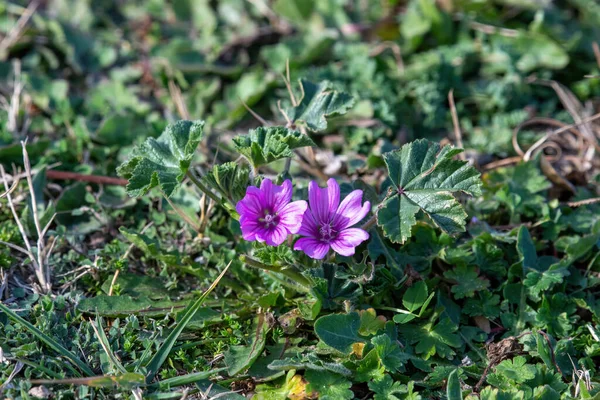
(17, 30)
(40, 271)
(455, 122)
(175, 92)
(101, 180)
(254, 114)
(596, 49)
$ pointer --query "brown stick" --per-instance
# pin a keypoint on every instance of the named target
(456, 123)
(101, 180)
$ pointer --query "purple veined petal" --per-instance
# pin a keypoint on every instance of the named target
(291, 216)
(309, 225)
(333, 195)
(312, 247)
(284, 196)
(347, 240)
(268, 192)
(250, 204)
(324, 201)
(275, 235)
(319, 202)
(350, 210)
(249, 228)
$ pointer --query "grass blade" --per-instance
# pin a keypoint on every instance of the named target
(127, 380)
(97, 325)
(161, 355)
(453, 390)
(53, 344)
(187, 379)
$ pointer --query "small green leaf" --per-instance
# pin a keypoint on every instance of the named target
(264, 145)
(526, 249)
(339, 331)
(328, 385)
(370, 323)
(162, 162)
(240, 358)
(453, 391)
(387, 389)
(431, 340)
(390, 354)
(516, 369)
(467, 281)
(425, 177)
(319, 101)
(415, 296)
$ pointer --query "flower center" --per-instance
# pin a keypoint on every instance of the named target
(269, 219)
(327, 232)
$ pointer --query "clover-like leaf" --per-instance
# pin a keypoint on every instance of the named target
(425, 178)
(432, 340)
(162, 162)
(264, 145)
(467, 281)
(387, 389)
(319, 101)
(328, 385)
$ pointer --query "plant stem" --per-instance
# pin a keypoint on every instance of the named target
(203, 187)
(289, 272)
(369, 224)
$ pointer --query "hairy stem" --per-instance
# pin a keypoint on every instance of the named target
(369, 224)
(289, 272)
(203, 187)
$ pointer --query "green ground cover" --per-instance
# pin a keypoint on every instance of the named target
(131, 130)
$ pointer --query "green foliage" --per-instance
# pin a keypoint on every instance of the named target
(462, 274)
(339, 331)
(425, 177)
(239, 358)
(319, 102)
(162, 162)
(229, 179)
(264, 145)
(328, 385)
(433, 339)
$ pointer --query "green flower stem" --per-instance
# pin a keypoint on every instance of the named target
(203, 187)
(289, 272)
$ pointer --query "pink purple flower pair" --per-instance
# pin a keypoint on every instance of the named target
(268, 216)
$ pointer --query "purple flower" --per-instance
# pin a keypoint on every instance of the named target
(328, 223)
(267, 215)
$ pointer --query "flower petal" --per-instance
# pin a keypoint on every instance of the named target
(324, 201)
(268, 192)
(333, 194)
(350, 211)
(309, 225)
(291, 215)
(312, 247)
(283, 195)
(346, 241)
(275, 235)
(250, 204)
